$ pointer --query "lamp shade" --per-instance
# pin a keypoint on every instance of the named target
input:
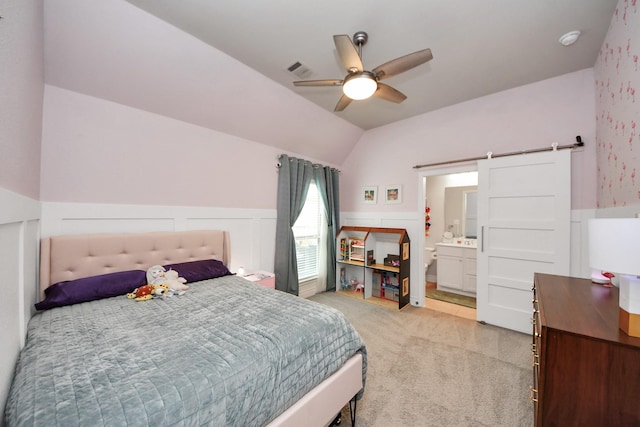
(360, 86)
(614, 245)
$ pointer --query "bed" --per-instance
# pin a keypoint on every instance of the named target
(226, 352)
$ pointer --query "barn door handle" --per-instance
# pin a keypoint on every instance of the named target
(482, 239)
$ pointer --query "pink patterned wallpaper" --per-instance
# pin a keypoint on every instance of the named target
(617, 74)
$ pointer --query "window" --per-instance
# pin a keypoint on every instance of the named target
(307, 231)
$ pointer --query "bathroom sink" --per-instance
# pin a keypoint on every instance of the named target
(467, 243)
(470, 242)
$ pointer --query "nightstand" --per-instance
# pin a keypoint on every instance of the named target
(263, 278)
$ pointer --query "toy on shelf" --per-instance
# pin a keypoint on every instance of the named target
(344, 284)
(359, 286)
(344, 249)
(427, 218)
(356, 250)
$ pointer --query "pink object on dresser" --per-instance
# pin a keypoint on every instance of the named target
(264, 278)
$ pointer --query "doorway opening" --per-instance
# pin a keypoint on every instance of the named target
(514, 240)
(448, 202)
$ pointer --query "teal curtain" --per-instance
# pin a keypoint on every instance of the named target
(293, 183)
(327, 181)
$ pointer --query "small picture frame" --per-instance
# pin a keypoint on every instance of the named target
(393, 194)
(370, 195)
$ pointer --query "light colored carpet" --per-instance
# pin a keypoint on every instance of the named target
(428, 368)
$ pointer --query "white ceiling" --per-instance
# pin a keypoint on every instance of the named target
(479, 47)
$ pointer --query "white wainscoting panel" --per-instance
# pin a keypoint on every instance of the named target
(630, 211)
(19, 237)
(11, 314)
(309, 288)
(580, 242)
(30, 269)
(252, 231)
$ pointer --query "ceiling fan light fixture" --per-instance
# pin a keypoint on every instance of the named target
(360, 86)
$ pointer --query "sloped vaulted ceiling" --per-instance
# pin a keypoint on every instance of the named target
(118, 52)
(222, 64)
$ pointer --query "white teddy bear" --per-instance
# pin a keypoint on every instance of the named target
(175, 282)
(157, 275)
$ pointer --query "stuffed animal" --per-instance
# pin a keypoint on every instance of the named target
(146, 292)
(161, 290)
(155, 275)
(174, 281)
(143, 293)
(158, 284)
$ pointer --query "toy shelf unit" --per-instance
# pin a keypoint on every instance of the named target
(351, 246)
(375, 261)
(351, 258)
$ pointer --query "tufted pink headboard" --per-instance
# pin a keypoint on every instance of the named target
(72, 257)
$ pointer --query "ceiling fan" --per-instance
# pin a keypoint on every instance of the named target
(360, 83)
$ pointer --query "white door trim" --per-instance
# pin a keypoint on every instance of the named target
(436, 170)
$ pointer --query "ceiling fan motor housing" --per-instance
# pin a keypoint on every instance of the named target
(360, 38)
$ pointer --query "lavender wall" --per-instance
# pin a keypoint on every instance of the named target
(617, 73)
(97, 151)
(532, 116)
(21, 89)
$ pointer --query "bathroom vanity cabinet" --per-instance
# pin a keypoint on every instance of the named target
(374, 261)
(456, 268)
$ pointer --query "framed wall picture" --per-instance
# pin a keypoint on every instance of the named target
(370, 194)
(393, 194)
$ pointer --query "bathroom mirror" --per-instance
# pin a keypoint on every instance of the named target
(460, 211)
(470, 222)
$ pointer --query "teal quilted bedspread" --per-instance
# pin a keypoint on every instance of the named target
(226, 353)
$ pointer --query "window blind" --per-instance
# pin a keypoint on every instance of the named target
(306, 231)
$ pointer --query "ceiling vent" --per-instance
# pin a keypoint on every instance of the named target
(300, 70)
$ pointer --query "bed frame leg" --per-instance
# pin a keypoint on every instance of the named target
(353, 404)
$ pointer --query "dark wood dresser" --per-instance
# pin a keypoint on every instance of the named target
(586, 372)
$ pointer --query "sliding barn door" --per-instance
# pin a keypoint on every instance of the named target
(524, 205)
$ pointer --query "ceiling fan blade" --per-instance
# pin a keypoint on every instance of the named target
(348, 53)
(388, 93)
(404, 63)
(343, 102)
(318, 83)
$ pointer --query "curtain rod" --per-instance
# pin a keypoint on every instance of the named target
(490, 155)
(315, 165)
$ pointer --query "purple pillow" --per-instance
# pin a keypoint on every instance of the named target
(194, 271)
(92, 288)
